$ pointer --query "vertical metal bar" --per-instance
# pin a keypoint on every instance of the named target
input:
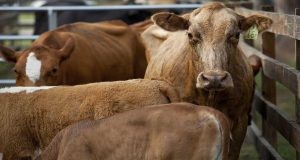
(297, 50)
(268, 85)
(52, 19)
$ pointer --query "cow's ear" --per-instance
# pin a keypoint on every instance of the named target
(261, 22)
(170, 21)
(255, 63)
(9, 54)
(67, 49)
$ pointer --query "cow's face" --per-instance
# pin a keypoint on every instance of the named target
(38, 65)
(213, 32)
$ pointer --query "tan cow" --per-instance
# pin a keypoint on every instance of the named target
(140, 27)
(80, 53)
(31, 116)
(179, 131)
(198, 53)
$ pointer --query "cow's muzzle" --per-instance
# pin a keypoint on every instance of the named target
(214, 80)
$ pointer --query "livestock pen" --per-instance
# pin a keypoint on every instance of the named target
(273, 121)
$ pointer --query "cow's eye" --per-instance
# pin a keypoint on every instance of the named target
(237, 35)
(54, 70)
(194, 38)
(234, 37)
(190, 35)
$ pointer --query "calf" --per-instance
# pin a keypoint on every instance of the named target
(31, 116)
(178, 131)
(198, 53)
(80, 53)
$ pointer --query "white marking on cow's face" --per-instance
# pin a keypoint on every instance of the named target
(33, 67)
(23, 89)
(212, 59)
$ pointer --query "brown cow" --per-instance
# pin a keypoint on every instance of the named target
(31, 116)
(80, 53)
(199, 55)
(179, 131)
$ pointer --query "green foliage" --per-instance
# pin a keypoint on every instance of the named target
(6, 70)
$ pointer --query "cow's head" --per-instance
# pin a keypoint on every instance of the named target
(38, 65)
(213, 32)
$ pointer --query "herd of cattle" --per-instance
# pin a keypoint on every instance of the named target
(192, 58)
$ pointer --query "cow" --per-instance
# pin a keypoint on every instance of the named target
(198, 54)
(140, 27)
(31, 116)
(80, 53)
(178, 131)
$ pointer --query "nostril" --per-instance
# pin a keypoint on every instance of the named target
(204, 78)
(223, 77)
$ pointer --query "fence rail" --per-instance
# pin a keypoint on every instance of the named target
(52, 10)
(264, 148)
(283, 73)
(289, 129)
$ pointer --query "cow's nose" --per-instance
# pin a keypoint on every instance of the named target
(214, 80)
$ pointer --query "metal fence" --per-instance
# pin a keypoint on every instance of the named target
(52, 11)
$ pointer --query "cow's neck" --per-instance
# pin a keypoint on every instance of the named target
(173, 63)
(187, 81)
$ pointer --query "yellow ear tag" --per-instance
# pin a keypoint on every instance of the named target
(251, 33)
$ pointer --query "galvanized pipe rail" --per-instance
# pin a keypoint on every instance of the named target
(52, 10)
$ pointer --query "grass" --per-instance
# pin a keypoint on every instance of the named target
(26, 18)
(6, 70)
(248, 151)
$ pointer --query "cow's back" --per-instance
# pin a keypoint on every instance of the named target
(69, 104)
(172, 131)
(104, 51)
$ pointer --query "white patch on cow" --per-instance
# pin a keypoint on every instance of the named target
(212, 58)
(33, 67)
(1, 156)
(23, 89)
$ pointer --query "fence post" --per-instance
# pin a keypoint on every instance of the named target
(268, 85)
(297, 50)
(52, 19)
